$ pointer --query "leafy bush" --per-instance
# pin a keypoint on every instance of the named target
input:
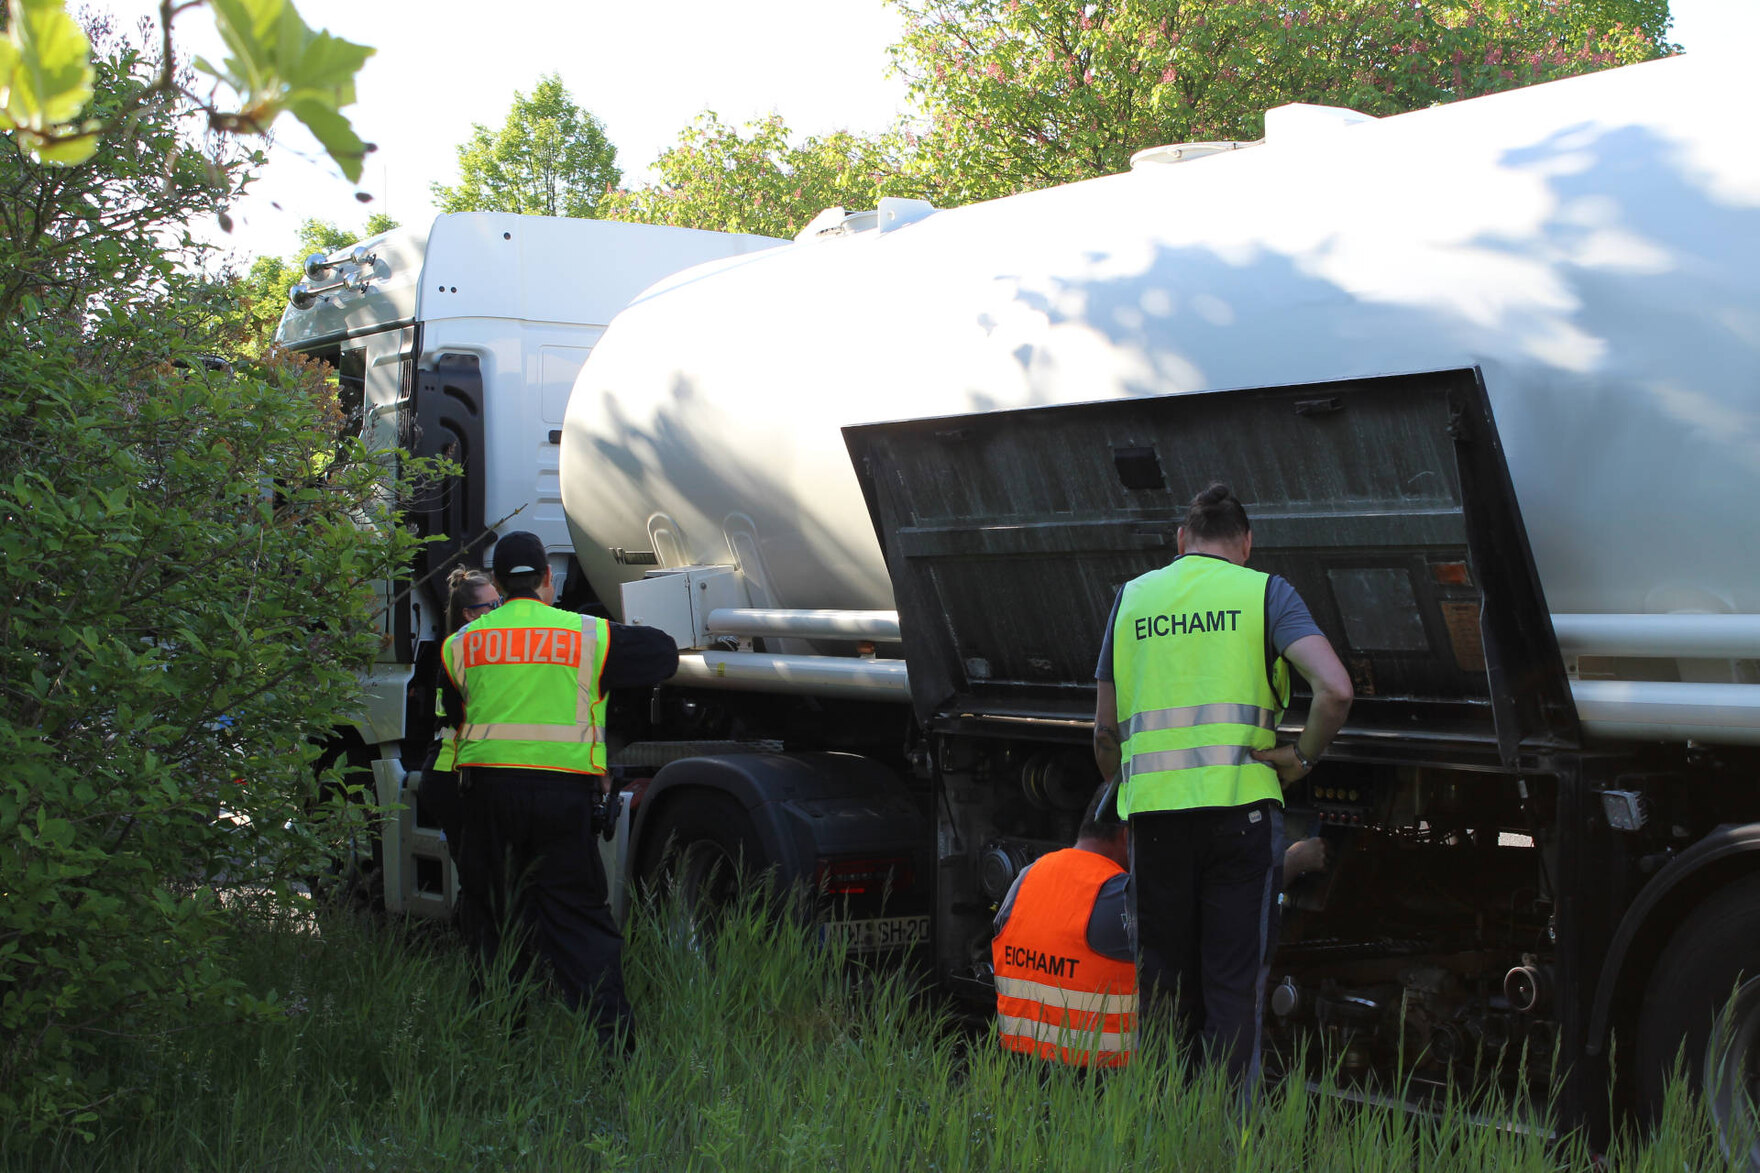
(187, 553)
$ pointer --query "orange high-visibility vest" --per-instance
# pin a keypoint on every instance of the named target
(1056, 997)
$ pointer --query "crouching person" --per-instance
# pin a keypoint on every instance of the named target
(1066, 981)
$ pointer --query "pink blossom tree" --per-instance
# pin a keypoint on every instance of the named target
(1019, 94)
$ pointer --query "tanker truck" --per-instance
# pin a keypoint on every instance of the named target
(1485, 376)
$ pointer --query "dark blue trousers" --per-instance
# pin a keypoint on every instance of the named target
(531, 876)
(1205, 883)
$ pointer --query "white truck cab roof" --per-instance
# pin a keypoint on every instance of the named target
(492, 265)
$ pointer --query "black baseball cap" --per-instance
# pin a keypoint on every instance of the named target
(520, 552)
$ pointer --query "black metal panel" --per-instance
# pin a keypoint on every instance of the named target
(1007, 535)
(446, 419)
(403, 627)
(1529, 690)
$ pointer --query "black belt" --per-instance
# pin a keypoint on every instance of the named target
(606, 807)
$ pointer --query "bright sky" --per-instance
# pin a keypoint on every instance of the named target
(646, 69)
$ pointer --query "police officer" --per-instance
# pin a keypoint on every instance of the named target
(1066, 985)
(1193, 676)
(526, 684)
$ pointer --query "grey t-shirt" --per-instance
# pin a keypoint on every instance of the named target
(1286, 620)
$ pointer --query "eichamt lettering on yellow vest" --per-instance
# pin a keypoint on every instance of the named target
(1197, 623)
(1192, 711)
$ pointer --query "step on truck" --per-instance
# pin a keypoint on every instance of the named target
(1487, 378)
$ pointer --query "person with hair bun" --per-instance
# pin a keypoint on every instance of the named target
(470, 594)
(1192, 680)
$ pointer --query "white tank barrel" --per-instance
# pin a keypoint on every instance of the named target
(1591, 246)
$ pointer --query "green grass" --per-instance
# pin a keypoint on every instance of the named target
(758, 1051)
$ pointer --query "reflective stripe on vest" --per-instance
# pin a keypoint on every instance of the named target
(1187, 716)
(1055, 997)
(446, 759)
(1162, 761)
(1067, 1043)
(1194, 694)
(1075, 1001)
(529, 676)
(443, 761)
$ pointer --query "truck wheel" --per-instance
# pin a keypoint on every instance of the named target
(355, 878)
(1688, 1010)
(706, 851)
(1732, 1075)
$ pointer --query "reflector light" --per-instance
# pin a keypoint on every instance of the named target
(860, 877)
(1451, 573)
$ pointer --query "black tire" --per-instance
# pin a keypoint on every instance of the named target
(1717, 949)
(1732, 1076)
(705, 851)
(356, 877)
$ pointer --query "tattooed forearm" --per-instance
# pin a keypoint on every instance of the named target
(1106, 749)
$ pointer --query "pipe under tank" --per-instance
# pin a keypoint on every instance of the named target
(880, 626)
(1707, 636)
(850, 677)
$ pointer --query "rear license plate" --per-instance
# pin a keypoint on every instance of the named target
(887, 932)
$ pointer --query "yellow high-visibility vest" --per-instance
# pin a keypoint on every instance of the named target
(529, 675)
(444, 760)
(1195, 693)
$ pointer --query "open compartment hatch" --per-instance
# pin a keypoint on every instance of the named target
(1386, 502)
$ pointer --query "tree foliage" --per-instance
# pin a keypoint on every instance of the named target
(71, 231)
(720, 178)
(550, 158)
(326, 236)
(186, 553)
(1022, 94)
(275, 65)
(1019, 94)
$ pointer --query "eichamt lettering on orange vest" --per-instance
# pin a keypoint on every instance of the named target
(1197, 623)
(1043, 962)
(522, 645)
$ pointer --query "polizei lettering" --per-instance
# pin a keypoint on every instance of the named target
(1043, 962)
(522, 645)
(1194, 623)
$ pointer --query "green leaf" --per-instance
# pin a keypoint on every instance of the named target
(334, 132)
(45, 81)
(45, 70)
(277, 63)
(10, 67)
(63, 151)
